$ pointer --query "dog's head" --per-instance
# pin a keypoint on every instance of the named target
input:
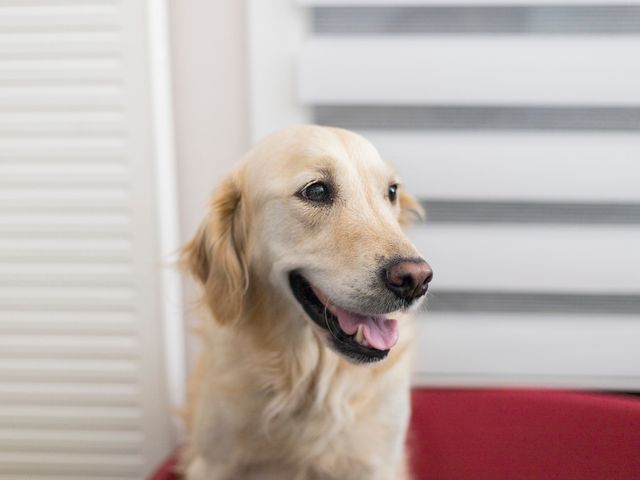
(314, 214)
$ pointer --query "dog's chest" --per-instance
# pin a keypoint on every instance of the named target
(351, 438)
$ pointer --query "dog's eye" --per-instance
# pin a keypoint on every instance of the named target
(316, 192)
(393, 192)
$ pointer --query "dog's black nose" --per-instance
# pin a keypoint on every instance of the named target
(408, 279)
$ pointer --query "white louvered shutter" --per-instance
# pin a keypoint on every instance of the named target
(82, 390)
(518, 126)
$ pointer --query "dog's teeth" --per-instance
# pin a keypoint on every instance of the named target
(359, 337)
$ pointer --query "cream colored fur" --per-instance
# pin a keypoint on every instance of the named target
(269, 399)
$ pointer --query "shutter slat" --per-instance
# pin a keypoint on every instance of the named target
(106, 392)
(68, 476)
(80, 44)
(62, 123)
(67, 296)
(64, 199)
(61, 96)
(60, 273)
(72, 17)
(47, 441)
(43, 71)
(46, 10)
(84, 321)
(16, 462)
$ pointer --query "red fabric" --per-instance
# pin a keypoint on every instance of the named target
(166, 470)
(524, 435)
(518, 434)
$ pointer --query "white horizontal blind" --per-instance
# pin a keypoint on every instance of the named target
(517, 124)
(463, 3)
(463, 70)
(561, 166)
(82, 391)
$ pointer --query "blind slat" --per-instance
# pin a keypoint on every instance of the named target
(471, 70)
(518, 350)
(556, 258)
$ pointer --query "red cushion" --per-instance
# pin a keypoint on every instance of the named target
(166, 470)
(518, 434)
(524, 434)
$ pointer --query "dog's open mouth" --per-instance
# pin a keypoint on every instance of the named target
(361, 338)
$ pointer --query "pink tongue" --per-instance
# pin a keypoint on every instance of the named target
(380, 332)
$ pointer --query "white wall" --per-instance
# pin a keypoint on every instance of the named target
(208, 42)
(210, 97)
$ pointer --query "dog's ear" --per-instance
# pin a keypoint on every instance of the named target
(410, 209)
(216, 255)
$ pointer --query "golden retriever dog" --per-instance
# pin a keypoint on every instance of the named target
(307, 273)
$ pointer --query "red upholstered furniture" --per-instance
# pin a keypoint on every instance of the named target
(525, 435)
(519, 435)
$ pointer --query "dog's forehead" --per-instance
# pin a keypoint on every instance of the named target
(343, 144)
(303, 151)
